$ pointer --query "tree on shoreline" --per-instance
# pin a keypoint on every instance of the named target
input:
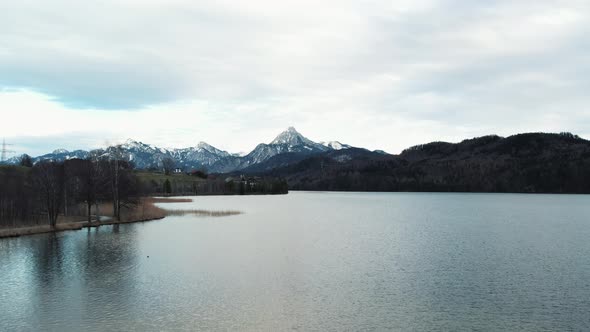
(87, 182)
(119, 171)
(49, 179)
(167, 187)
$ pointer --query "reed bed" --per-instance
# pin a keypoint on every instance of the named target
(168, 200)
(203, 213)
(196, 212)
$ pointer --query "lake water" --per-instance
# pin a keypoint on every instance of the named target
(313, 261)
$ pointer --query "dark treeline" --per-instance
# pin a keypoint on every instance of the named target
(524, 163)
(251, 185)
(199, 183)
(40, 194)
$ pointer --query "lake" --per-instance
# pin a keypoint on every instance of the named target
(313, 261)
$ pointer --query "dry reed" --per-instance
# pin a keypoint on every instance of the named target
(168, 200)
(202, 213)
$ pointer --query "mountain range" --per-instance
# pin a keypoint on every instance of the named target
(290, 144)
(530, 162)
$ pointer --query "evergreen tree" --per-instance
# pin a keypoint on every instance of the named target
(167, 187)
(26, 160)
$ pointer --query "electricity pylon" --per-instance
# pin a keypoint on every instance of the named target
(5, 151)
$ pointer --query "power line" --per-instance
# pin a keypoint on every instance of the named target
(5, 150)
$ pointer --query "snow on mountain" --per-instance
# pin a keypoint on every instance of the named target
(60, 151)
(140, 147)
(149, 156)
(335, 145)
(289, 143)
(291, 137)
(143, 155)
(13, 160)
(204, 147)
(62, 155)
(263, 152)
(202, 155)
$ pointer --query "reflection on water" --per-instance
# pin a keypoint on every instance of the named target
(165, 203)
(65, 274)
(312, 261)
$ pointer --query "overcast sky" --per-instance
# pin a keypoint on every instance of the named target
(376, 74)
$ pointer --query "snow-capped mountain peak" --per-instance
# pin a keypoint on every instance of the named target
(291, 137)
(203, 145)
(133, 144)
(207, 147)
(289, 141)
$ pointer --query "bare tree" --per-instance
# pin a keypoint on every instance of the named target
(116, 158)
(98, 182)
(49, 179)
(124, 185)
(87, 181)
(18, 205)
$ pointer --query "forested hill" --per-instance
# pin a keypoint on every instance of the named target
(528, 163)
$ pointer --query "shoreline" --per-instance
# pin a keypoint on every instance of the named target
(149, 202)
(71, 226)
(143, 212)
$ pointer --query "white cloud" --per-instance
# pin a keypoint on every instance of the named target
(379, 74)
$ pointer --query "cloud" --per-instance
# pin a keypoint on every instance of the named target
(379, 74)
